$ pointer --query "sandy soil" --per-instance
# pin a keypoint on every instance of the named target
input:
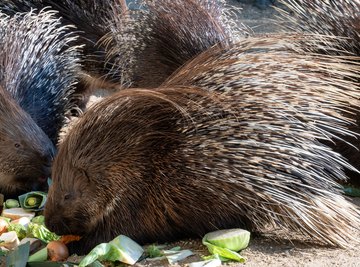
(264, 251)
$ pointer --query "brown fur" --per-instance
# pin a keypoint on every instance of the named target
(219, 145)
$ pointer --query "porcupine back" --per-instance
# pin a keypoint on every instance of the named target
(340, 22)
(232, 139)
(38, 67)
(152, 42)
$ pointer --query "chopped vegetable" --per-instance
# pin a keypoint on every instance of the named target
(11, 203)
(35, 243)
(69, 238)
(39, 219)
(57, 251)
(23, 221)
(9, 240)
(34, 201)
(3, 225)
(41, 232)
(40, 255)
(17, 213)
(234, 239)
(153, 251)
(18, 257)
(226, 243)
(122, 248)
(19, 229)
(174, 256)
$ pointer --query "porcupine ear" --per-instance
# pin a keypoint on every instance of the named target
(150, 43)
(332, 18)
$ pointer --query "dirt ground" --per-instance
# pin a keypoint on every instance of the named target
(266, 251)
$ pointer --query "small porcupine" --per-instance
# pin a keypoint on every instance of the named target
(232, 139)
(339, 21)
(37, 70)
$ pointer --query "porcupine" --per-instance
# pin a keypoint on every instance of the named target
(149, 44)
(340, 22)
(37, 70)
(232, 139)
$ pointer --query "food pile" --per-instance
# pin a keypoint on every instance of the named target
(25, 241)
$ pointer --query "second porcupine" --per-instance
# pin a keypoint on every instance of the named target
(37, 70)
(223, 143)
(148, 45)
(339, 20)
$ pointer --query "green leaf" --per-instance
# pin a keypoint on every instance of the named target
(153, 251)
(41, 232)
(19, 256)
(224, 253)
(39, 220)
(122, 248)
(19, 229)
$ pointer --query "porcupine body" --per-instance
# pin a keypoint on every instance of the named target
(37, 70)
(232, 139)
(339, 20)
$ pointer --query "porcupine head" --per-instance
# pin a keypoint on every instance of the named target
(26, 151)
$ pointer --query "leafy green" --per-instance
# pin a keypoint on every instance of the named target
(39, 219)
(122, 248)
(153, 251)
(20, 229)
(41, 232)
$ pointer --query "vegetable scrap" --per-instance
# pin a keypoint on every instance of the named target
(225, 244)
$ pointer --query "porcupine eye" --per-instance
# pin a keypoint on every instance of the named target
(17, 145)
